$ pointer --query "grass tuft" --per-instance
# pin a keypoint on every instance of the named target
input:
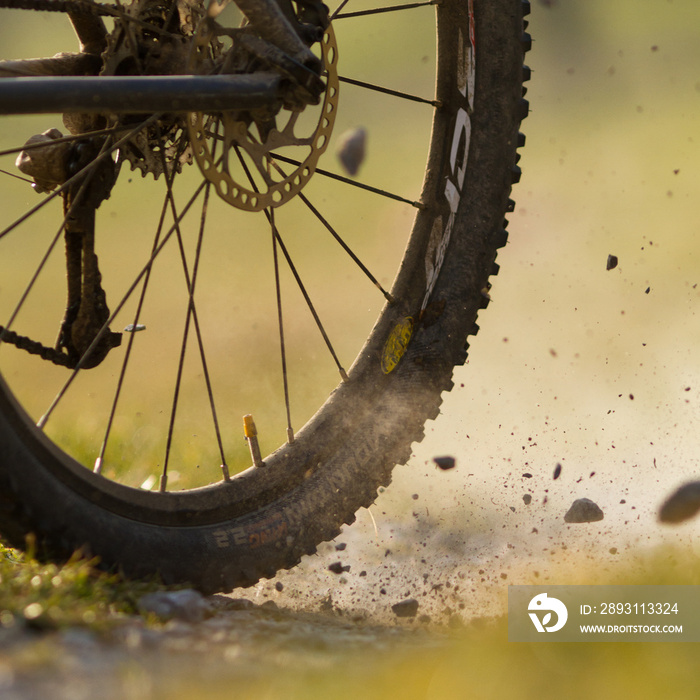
(48, 596)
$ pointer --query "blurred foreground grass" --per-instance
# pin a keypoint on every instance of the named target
(471, 661)
(47, 596)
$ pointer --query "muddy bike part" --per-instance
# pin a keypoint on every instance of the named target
(251, 524)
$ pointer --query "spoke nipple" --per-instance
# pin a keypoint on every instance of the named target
(251, 435)
(227, 475)
(391, 299)
(344, 375)
(163, 482)
(97, 469)
(290, 436)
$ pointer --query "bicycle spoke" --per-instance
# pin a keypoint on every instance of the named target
(181, 360)
(346, 248)
(338, 9)
(6, 328)
(205, 368)
(348, 181)
(379, 10)
(388, 91)
(82, 173)
(338, 238)
(293, 269)
(191, 317)
(127, 354)
(283, 352)
(18, 177)
(61, 393)
(64, 139)
(307, 298)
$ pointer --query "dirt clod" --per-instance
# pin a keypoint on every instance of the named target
(682, 504)
(406, 608)
(338, 568)
(351, 149)
(445, 462)
(583, 510)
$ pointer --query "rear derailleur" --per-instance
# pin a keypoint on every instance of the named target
(84, 338)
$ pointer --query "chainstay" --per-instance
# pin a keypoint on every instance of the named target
(74, 6)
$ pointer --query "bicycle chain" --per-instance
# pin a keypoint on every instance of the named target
(34, 347)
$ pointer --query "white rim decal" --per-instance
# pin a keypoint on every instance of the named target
(461, 138)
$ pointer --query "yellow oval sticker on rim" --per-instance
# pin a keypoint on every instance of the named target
(396, 344)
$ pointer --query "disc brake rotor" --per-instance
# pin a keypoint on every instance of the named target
(237, 154)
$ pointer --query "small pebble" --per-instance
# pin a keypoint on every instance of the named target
(187, 605)
(583, 510)
(351, 150)
(557, 471)
(612, 262)
(406, 608)
(445, 463)
(681, 505)
(527, 498)
(338, 568)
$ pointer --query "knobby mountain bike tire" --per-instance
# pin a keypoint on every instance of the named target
(233, 533)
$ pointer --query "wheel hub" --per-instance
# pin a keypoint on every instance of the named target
(236, 151)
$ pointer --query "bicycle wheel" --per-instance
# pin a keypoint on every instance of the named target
(231, 532)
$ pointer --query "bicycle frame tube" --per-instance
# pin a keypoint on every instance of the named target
(269, 20)
(65, 83)
(138, 95)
